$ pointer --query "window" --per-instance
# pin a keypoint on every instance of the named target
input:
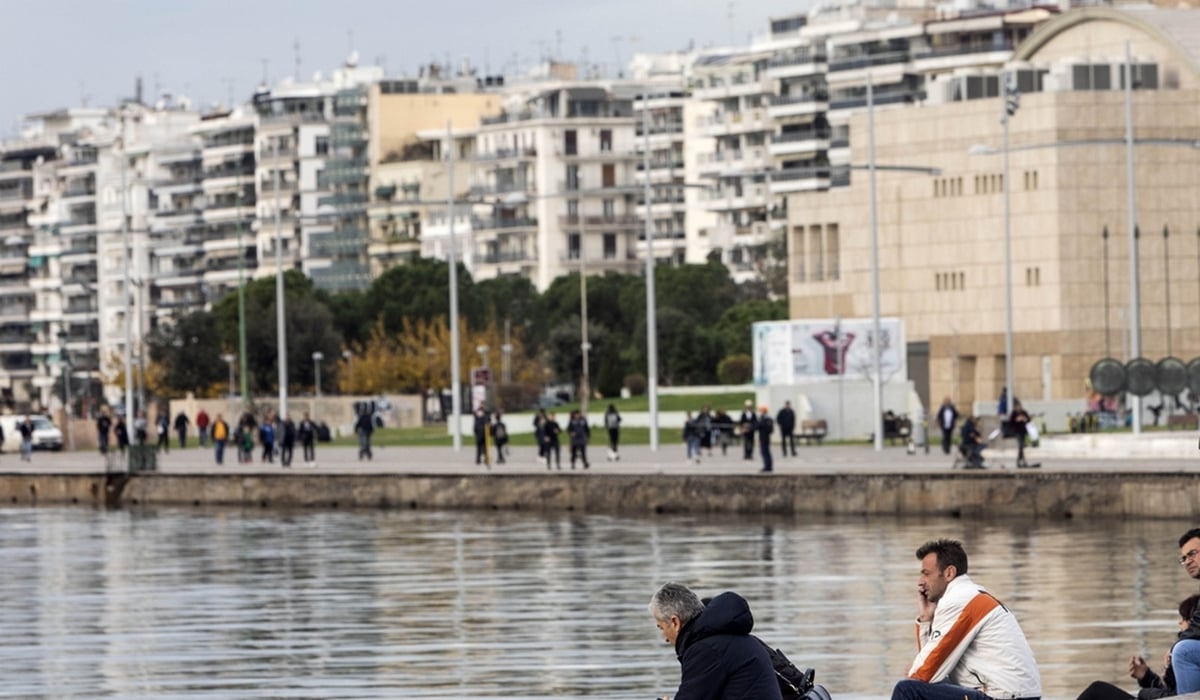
(798, 254)
(322, 145)
(572, 177)
(818, 253)
(573, 208)
(610, 208)
(608, 175)
(831, 248)
(606, 140)
(610, 246)
(573, 246)
(570, 147)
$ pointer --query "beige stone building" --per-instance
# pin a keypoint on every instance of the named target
(941, 238)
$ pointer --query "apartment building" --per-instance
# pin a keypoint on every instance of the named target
(553, 180)
(941, 237)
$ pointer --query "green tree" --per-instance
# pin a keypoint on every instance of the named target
(186, 355)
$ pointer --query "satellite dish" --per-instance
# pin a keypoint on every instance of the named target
(1171, 375)
(1108, 377)
(1139, 376)
(1193, 369)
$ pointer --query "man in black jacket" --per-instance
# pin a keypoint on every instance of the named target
(718, 658)
(1185, 655)
(786, 419)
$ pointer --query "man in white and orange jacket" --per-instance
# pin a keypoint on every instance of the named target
(971, 646)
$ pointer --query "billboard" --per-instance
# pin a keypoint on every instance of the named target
(805, 350)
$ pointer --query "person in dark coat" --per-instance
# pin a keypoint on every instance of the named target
(482, 426)
(550, 432)
(539, 435)
(786, 419)
(947, 416)
(580, 433)
(499, 436)
(765, 426)
(363, 427)
(287, 441)
(181, 428)
(307, 432)
(717, 656)
(747, 424)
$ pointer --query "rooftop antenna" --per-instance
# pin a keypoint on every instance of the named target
(296, 57)
(732, 41)
(83, 96)
(616, 42)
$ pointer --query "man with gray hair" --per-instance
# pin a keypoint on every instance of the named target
(718, 658)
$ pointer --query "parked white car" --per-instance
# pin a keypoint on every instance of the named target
(46, 435)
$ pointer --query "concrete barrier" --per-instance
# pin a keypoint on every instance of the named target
(1053, 495)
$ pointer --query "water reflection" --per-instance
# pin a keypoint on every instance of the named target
(208, 604)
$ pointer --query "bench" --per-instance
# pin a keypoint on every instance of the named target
(896, 428)
(1183, 421)
(812, 431)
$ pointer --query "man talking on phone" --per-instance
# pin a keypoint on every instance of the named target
(971, 646)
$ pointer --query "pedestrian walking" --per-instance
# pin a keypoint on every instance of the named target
(266, 437)
(500, 437)
(947, 416)
(746, 425)
(550, 434)
(103, 430)
(539, 435)
(691, 438)
(181, 428)
(121, 431)
(307, 433)
(202, 427)
(140, 426)
(612, 423)
(765, 426)
(162, 426)
(580, 433)
(481, 428)
(287, 441)
(26, 430)
(220, 434)
(786, 420)
(363, 427)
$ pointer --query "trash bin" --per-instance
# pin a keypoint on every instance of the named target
(143, 458)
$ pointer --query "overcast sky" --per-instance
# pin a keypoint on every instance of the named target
(60, 53)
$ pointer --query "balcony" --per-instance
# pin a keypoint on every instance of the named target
(792, 143)
(848, 63)
(488, 223)
(781, 106)
(669, 127)
(507, 256)
(886, 97)
(739, 85)
(508, 117)
(502, 188)
(801, 179)
(508, 154)
(797, 64)
(734, 123)
(600, 222)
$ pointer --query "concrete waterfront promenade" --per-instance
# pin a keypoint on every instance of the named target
(821, 479)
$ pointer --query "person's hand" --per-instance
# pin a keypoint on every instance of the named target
(1137, 667)
(1167, 659)
(925, 607)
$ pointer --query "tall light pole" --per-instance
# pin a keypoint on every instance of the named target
(876, 361)
(1007, 111)
(229, 359)
(280, 313)
(241, 260)
(455, 379)
(651, 317)
(1135, 310)
(348, 356)
(66, 374)
(317, 357)
(585, 384)
(127, 286)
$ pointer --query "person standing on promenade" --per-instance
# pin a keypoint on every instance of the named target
(103, 430)
(202, 427)
(971, 645)
(26, 430)
(266, 437)
(723, 430)
(1002, 404)
(539, 435)
(1185, 657)
(499, 436)
(482, 424)
(704, 427)
(947, 416)
(550, 432)
(718, 658)
(786, 419)
(1018, 423)
(307, 432)
(691, 438)
(765, 426)
(162, 427)
(746, 424)
(580, 432)
(121, 432)
(612, 423)
(287, 441)
(220, 434)
(181, 426)
(140, 424)
(364, 426)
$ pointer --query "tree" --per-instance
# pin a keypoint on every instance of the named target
(185, 356)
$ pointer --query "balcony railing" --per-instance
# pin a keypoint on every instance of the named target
(482, 223)
(797, 58)
(943, 52)
(879, 59)
(879, 98)
(509, 256)
(803, 135)
(616, 220)
(507, 153)
(815, 96)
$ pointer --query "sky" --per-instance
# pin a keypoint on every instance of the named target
(60, 53)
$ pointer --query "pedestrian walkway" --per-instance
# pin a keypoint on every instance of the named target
(1106, 456)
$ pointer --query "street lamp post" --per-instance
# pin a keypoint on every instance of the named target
(348, 356)
(1135, 306)
(651, 304)
(66, 374)
(455, 379)
(317, 357)
(280, 313)
(1006, 113)
(127, 287)
(876, 360)
(229, 360)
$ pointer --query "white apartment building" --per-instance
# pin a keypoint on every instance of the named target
(552, 184)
